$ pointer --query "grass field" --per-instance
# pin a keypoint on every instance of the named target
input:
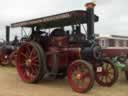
(11, 85)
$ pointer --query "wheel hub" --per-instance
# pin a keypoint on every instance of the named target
(78, 76)
(28, 62)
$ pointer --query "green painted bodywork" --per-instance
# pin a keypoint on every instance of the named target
(120, 66)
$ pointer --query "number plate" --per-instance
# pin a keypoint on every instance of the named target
(99, 69)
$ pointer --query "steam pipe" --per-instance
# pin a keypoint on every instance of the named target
(7, 34)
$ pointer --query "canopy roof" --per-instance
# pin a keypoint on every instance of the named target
(64, 19)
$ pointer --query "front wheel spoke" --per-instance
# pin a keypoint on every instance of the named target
(104, 67)
(84, 75)
(101, 78)
(111, 73)
(108, 80)
(106, 77)
(81, 83)
(110, 67)
(107, 66)
(78, 82)
(110, 76)
(78, 69)
(86, 80)
(75, 72)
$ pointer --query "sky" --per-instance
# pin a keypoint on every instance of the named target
(113, 14)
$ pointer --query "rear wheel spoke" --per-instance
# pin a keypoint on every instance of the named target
(23, 54)
(31, 53)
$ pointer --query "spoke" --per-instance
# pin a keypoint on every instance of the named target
(111, 72)
(102, 78)
(86, 80)
(31, 53)
(22, 65)
(34, 58)
(85, 74)
(28, 49)
(110, 69)
(107, 65)
(104, 66)
(106, 78)
(33, 71)
(24, 73)
(81, 67)
(23, 54)
(32, 76)
(75, 73)
(27, 71)
(73, 77)
(35, 68)
(110, 76)
(78, 69)
(81, 83)
(77, 82)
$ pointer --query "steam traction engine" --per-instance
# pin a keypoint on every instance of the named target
(62, 52)
(8, 50)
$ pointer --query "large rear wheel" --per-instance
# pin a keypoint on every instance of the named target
(106, 73)
(80, 76)
(30, 62)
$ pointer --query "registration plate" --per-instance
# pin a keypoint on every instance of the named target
(99, 69)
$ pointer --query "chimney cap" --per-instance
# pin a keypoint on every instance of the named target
(90, 5)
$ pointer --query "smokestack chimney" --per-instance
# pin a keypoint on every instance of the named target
(90, 20)
(7, 34)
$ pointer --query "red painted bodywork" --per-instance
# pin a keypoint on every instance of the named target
(65, 52)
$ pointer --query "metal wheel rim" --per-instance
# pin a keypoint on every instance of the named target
(28, 71)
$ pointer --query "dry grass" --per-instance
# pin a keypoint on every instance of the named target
(11, 85)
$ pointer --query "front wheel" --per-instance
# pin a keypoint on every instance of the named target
(106, 73)
(81, 76)
(13, 57)
(4, 60)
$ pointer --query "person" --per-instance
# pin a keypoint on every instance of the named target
(15, 42)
